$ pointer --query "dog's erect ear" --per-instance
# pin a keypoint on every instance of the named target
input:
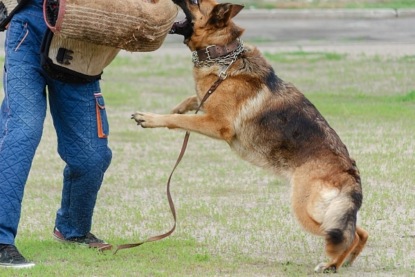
(222, 13)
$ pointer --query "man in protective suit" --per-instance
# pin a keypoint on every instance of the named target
(81, 129)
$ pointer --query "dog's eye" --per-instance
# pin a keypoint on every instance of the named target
(195, 2)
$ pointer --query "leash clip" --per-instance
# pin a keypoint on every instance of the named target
(222, 74)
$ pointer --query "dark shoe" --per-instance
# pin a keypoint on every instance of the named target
(88, 240)
(10, 257)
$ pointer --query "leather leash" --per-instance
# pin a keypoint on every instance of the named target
(221, 78)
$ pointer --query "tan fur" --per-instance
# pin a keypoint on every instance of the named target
(269, 123)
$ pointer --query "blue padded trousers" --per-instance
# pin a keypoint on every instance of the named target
(79, 117)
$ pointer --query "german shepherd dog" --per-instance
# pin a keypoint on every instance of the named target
(269, 123)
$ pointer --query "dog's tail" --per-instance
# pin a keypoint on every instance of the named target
(339, 223)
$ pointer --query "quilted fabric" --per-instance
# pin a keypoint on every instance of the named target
(73, 109)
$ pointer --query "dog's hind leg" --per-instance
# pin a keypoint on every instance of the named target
(363, 236)
(328, 210)
(337, 252)
(302, 201)
(311, 204)
(343, 239)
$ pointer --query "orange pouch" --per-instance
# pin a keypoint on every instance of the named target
(102, 121)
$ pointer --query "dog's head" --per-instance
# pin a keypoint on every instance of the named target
(207, 23)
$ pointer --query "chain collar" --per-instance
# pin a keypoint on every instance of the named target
(225, 60)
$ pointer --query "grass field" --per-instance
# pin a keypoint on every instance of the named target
(233, 219)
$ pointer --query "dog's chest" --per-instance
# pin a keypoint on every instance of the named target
(246, 142)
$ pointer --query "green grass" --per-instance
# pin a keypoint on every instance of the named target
(300, 56)
(301, 4)
(394, 4)
(409, 97)
(233, 219)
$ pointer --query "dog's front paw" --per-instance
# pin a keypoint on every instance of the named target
(145, 120)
